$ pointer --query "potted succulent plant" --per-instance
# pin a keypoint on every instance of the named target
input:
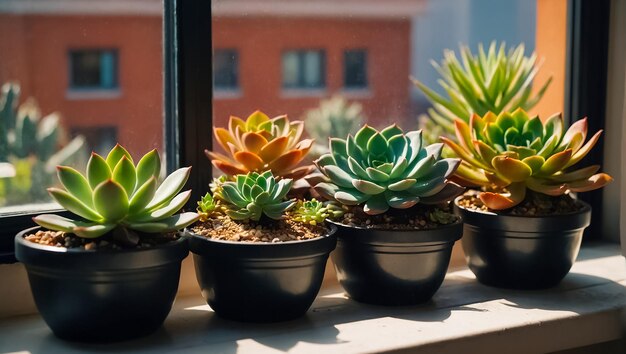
(493, 80)
(396, 237)
(524, 229)
(112, 273)
(260, 257)
(261, 143)
(256, 258)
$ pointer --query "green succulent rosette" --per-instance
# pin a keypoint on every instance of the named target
(253, 195)
(114, 192)
(386, 169)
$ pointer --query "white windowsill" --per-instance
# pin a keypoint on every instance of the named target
(464, 317)
(93, 94)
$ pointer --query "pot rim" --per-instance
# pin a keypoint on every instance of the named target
(526, 226)
(586, 208)
(19, 239)
(79, 259)
(403, 237)
(331, 229)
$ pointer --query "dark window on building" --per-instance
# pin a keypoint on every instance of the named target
(304, 69)
(225, 69)
(93, 69)
(355, 68)
(100, 139)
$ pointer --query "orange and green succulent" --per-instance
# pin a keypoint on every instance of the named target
(261, 144)
(515, 153)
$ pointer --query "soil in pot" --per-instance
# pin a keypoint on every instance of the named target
(101, 290)
(530, 246)
(260, 272)
(400, 258)
(221, 227)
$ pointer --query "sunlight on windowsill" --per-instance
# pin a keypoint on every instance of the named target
(464, 316)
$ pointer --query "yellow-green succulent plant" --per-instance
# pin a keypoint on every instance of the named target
(116, 193)
(518, 152)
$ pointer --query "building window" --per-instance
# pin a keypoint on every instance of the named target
(355, 69)
(100, 139)
(304, 69)
(225, 69)
(93, 69)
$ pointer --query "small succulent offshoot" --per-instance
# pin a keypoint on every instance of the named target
(116, 194)
(314, 212)
(261, 144)
(207, 206)
(253, 195)
(386, 169)
(518, 152)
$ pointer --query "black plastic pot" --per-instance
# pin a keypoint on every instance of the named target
(102, 295)
(522, 252)
(393, 267)
(261, 282)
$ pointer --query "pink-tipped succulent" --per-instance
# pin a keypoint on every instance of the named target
(516, 152)
(261, 144)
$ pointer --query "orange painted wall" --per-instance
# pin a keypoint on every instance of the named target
(36, 54)
(261, 41)
(551, 44)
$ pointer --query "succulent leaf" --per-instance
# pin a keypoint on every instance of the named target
(98, 170)
(124, 173)
(148, 166)
(76, 184)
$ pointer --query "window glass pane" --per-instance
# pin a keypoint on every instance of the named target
(312, 69)
(291, 69)
(312, 59)
(303, 69)
(225, 69)
(76, 78)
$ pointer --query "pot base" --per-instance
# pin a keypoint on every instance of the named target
(393, 267)
(102, 296)
(522, 252)
(261, 282)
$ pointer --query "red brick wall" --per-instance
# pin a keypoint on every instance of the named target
(34, 51)
(261, 41)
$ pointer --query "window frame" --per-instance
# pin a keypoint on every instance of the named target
(188, 94)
